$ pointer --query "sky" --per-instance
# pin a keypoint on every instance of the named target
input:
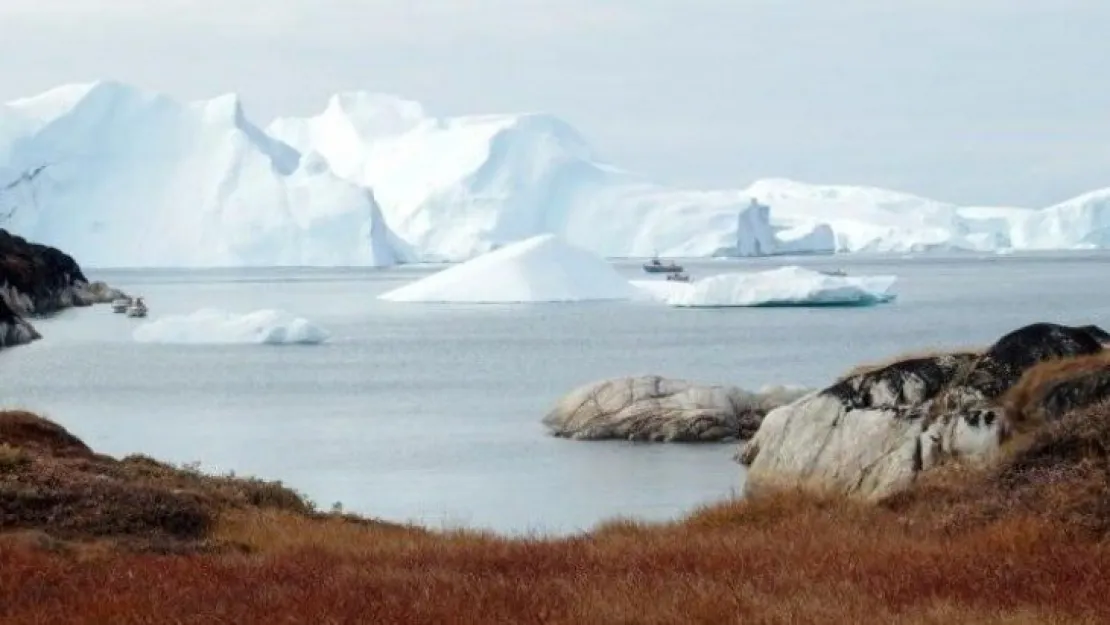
(978, 102)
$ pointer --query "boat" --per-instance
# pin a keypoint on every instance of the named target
(120, 305)
(835, 272)
(654, 266)
(138, 309)
(678, 277)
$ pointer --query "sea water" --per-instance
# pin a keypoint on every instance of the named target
(431, 413)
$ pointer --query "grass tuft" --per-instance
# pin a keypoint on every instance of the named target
(1025, 402)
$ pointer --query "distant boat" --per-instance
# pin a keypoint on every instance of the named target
(120, 305)
(678, 277)
(654, 266)
(835, 272)
(138, 309)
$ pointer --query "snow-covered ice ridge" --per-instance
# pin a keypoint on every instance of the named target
(134, 178)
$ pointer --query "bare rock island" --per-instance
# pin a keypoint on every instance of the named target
(657, 409)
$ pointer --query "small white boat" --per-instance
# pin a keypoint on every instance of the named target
(120, 305)
(138, 309)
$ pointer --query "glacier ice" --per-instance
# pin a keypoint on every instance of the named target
(119, 176)
(542, 268)
(215, 326)
(454, 187)
(133, 178)
(1079, 223)
(786, 286)
(868, 219)
(457, 187)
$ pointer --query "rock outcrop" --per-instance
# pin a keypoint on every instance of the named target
(37, 280)
(657, 409)
(14, 330)
(870, 434)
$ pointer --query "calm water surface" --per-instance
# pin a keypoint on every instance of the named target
(430, 413)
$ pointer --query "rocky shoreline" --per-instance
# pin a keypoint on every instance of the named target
(38, 280)
(871, 433)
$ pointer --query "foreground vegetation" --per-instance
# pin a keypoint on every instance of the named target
(90, 539)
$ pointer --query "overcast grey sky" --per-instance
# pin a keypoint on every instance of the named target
(971, 101)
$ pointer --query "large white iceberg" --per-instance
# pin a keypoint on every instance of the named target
(542, 268)
(454, 187)
(1079, 223)
(458, 187)
(117, 176)
(214, 326)
(869, 219)
(785, 286)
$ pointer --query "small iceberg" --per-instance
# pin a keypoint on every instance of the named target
(542, 268)
(786, 286)
(213, 326)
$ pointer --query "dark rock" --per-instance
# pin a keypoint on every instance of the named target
(38, 280)
(1074, 392)
(42, 274)
(14, 330)
(912, 381)
(1100, 335)
(1002, 365)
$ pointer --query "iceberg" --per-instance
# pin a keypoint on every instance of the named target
(121, 177)
(1079, 223)
(219, 327)
(868, 219)
(542, 268)
(457, 187)
(785, 286)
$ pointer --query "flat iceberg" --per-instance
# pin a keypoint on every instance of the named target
(219, 327)
(543, 268)
(785, 286)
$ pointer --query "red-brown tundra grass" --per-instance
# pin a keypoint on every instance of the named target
(90, 539)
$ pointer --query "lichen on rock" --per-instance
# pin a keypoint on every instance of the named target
(870, 434)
